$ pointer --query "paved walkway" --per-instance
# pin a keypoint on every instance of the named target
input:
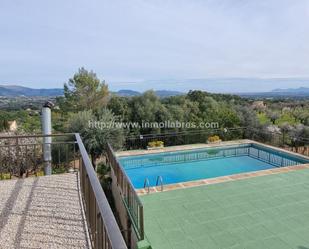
(42, 212)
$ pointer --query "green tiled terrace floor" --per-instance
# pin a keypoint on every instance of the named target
(266, 212)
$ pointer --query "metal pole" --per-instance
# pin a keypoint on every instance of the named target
(47, 130)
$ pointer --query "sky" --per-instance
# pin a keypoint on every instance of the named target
(158, 44)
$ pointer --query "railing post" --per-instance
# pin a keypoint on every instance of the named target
(17, 154)
(141, 220)
(46, 129)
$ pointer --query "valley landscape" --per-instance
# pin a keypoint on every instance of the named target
(154, 124)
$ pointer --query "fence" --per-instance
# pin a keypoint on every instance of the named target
(181, 137)
(23, 155)
(133, 204)
(290, 142)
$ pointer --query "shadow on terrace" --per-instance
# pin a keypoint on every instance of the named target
(67, 210)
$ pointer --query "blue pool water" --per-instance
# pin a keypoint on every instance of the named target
(192, 165)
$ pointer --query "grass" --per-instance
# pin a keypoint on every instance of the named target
(5, 176)
(263, 119)
(40, 173)
(59, 170)
(286, 118)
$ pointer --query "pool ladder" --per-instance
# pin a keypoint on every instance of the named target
(147, 183)
(160, 181)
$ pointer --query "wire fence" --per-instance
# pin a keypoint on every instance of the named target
(287, 141)
(22, 156)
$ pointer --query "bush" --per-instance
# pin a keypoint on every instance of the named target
(103, 171)
(213, 139)
(153, 144)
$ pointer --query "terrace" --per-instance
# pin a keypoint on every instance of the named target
(257, 209)
(262, 212)
(65, 210)
(42, 212)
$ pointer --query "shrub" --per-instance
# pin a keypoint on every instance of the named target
(159, 143)
(103, 172)
(153, 144)
(214, 138)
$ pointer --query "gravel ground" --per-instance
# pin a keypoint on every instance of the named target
(41, 212)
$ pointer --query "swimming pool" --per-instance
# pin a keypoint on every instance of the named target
(190, 165)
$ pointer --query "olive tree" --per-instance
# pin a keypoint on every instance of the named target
(97, 129)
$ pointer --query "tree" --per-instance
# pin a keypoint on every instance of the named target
(273, 116)
(119, 106)
(18, 160)
(96, 130)
(301, 114)
(299, 135)
(4, 125)
(85, 91)
(285, 129)
(148, 108)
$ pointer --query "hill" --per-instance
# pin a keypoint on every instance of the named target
(291, 93)
(300, 90)
(15, 91)
(160, 93)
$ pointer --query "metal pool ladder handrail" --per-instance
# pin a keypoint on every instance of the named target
(147, 183)
(160, 180)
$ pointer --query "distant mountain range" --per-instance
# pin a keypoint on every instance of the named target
(160, 93)
(301, 92)
(292, 90)
(15, 91)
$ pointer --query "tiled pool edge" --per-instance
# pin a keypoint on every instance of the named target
(181, 147)
(201, 146)
(221, 179)
(215, 180)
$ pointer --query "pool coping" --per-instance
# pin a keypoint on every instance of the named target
(220, 179)
(180, 148)
(215, 180)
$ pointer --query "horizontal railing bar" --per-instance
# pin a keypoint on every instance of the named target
(281, 134)
(31, 144)
(37, 136)
(203, 131)
(185, 132)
